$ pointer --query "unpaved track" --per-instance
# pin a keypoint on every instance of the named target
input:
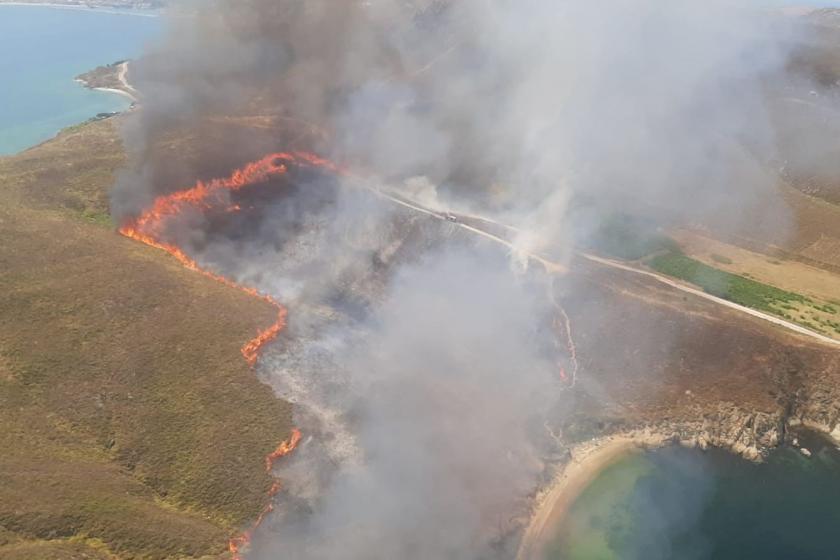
(122, 74)
(550, 266)
(557, 268)
(720, 301)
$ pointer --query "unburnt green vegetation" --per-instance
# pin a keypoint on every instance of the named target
(103, 76)
(724, 284)
(816, 315)
(634, 238)
(130, 425)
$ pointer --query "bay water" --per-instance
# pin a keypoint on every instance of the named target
(688, 504)
(42, 50)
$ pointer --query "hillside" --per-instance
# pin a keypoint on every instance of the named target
(132, 427)
(805, 111)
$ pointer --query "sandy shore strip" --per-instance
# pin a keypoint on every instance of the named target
(589, 459)
(116, 91)
(127, 89)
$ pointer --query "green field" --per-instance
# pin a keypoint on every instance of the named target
(816, 315)
(633, 238)
(732, 287)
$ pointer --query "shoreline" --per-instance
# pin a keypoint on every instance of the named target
(122, 93)
(75, 7)
(590, 458)
(115, 91)
(588, 461)
(127, 90)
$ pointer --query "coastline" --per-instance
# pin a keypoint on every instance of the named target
(115, 91)
(78, 8)
(126, 93)
(127, 89)
(59, 102)
(589, 459)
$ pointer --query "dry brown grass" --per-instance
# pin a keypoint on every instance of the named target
(790, 275)
(811, 234)
(127, 414)
(53, 550)
(652, 354)
(819, 309)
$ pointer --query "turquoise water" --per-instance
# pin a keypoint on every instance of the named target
(41, 50)
(679, 504)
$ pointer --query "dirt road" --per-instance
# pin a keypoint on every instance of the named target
(720, 301)
(462, 221)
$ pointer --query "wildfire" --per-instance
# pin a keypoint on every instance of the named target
(563, 329)
(570, 347)
(202, 196)
(149, 227)
(238, 544)
(283, 449)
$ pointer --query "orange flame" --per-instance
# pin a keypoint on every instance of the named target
(148, 228)
(283, 449)
(241, 542)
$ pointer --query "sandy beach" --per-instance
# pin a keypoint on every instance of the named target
(127, 89)
(116, 91)
(588, 460)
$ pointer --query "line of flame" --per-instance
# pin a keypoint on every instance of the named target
(148, 228)
(238, 544)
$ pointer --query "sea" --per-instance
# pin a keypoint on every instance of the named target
(42, 50)
(688, 504)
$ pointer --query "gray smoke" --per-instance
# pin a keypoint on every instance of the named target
(442, 394)
(423, 368)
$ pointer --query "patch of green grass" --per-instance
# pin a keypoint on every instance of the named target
(102, 219)
(738, 289)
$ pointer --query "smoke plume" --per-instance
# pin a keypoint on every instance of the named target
(422, 365)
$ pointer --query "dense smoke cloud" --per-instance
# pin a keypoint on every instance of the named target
(539, 99)
(421, 365)
(442, 394)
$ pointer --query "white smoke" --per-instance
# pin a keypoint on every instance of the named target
(421, 366)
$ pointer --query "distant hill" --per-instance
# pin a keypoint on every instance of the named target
(112, 4)
(825, 16)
